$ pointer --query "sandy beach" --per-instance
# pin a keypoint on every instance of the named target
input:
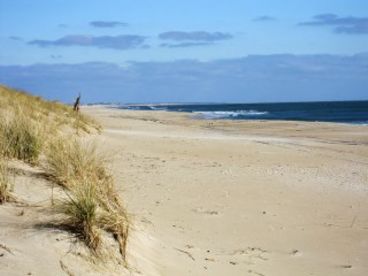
(207, 198)
(184, 138)
(239, 197)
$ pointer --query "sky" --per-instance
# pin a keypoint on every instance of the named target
(186, 51)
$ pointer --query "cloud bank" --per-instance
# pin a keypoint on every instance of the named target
(249, 79)
(16, 38)
(107, 24)
(195, 36)
(185, 44)
(192, 39)
(345, 25)
(264, 18)
(120, 42)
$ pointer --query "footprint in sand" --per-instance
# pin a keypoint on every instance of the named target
(5, 248)
(228, 172)
(253, 272)
(206, 212)
(178, 226)
(295, 253)
(346, 266)
(253, 254)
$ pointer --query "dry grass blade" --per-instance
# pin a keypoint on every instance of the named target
(5, 186)
(117, 223)
(77, 167)
(20, 138)
(80, 210)
(47, 112)
(69, 160)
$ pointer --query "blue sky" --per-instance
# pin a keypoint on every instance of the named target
(39, 38)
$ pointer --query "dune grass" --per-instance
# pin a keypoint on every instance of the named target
(20, 138)
(5, 186)
(68, 160)
(80, 210)
(27, 121)
(48, 113)
(30, 128)
(116, 222)
(92, 203)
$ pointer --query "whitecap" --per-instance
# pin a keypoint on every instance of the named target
(230, 114)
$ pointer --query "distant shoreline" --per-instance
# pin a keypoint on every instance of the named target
(348, 112)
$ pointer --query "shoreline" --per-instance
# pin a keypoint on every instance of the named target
(187, 114)
(343, 112)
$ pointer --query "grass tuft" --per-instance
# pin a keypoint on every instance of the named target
(116, 222)
(20, 138)
(5, 186)
(69, 160)
(91, 192)
(80, 210)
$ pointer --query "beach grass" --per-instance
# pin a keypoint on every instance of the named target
(81, 170)
(116, 221)
(20, 138)
(51, 114)
(27, 122)
(69, 160)
(80, 210)
(49, 135)
(5, 185)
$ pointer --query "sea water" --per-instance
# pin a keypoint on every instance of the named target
(355, 112)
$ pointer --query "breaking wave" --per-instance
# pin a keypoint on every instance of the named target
(230, 114)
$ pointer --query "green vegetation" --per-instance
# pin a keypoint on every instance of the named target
(80, 209)
(32, 130)
(68, 160)
(5, 187)
(20, 138)
(92, 197)
(50, 114)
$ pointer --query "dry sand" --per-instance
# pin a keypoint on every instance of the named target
(214, 198)
(241, 198)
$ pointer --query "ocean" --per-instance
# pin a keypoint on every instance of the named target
(354, 112)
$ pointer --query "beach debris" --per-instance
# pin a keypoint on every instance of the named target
(185, 252)
(21, 213)
(353, 222)
(296, 253)
(255, 272)
(206, 212)
(7, 249)
(77, 103)
(65, 269)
